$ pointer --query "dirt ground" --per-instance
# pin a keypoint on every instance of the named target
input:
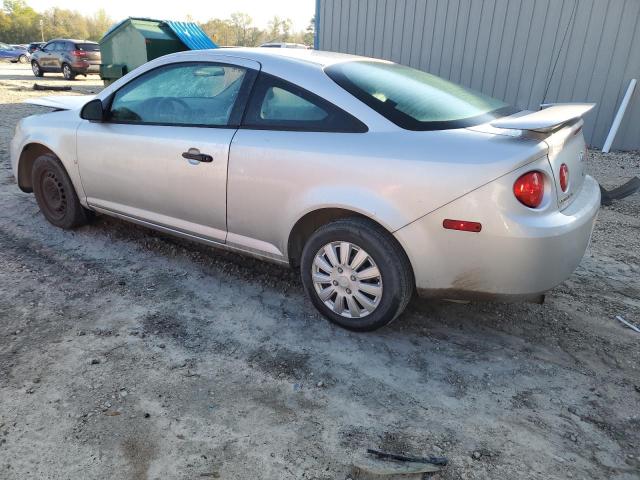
(128, 354)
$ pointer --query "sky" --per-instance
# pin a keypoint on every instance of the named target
(299, 11)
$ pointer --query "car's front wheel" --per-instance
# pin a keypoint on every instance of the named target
(35, 68)
(23, 59)
(55, 194)
(356, 274)
(67, 72)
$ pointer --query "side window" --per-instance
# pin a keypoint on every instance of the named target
(49, 47)
(183, 94)
(279, 105)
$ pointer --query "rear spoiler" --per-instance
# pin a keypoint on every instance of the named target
(546, 119)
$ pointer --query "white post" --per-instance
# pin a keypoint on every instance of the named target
(618, 118)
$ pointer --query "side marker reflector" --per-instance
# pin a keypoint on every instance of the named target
(463, 225)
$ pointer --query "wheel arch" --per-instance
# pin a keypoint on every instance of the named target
(314, 219)
(28, 155)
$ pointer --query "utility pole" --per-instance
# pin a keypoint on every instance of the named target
(42, 29)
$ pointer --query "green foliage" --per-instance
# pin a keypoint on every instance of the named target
(20, 23)
(239, 31)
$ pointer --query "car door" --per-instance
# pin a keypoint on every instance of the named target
(57, 56)
(291, 142)
(5, 51)
(44, 56)
(161, 154)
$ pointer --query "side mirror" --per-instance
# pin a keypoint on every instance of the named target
(93, 111)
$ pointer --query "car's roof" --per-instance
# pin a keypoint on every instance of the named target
(294, 55)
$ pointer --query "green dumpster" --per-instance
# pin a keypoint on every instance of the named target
(135, 41)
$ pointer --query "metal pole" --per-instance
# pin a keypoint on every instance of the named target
(618, 118)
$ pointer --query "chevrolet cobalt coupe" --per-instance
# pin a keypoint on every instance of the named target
(375, 179)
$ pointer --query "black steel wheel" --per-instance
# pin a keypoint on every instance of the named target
(55, 194)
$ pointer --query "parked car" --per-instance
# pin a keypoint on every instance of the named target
(283, 45)
(33, 46)
(13, 53)
(374, 178)
(71, 57)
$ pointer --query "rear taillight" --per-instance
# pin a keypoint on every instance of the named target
(79, 53)
(529, 189)
(564, 177)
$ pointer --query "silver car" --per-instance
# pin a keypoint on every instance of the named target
(375, 179)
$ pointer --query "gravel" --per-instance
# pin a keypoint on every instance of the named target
(501, 389)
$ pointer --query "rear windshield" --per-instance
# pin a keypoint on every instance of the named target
(413, 99)
(88, 47)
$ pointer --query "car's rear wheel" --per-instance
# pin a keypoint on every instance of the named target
(67, 72)
(35, 68)
(23, 59)
(55, 194)
(356, 274)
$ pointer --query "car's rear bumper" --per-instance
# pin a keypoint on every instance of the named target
(85, 67)
(518, 255)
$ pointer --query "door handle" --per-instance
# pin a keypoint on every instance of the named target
(194, 154)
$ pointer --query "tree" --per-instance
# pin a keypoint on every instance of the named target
(274, 29)
(21, 22)
(219, 31)
(98, 24)
(240, 24)
(61, 23)
(310, 32)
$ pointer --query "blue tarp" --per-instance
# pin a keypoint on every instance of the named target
(191, 35)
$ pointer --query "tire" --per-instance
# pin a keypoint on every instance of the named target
(23, 59)
(35, 68)
(386, 295)
(67, 72)
(55, 194)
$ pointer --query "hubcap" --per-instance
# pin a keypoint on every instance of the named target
(54, 195)
(347, 279)
(67, 71)
(35, 68)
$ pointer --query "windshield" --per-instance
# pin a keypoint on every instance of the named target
(413, 99)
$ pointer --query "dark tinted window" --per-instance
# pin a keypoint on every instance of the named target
(414, 99)
(88, 47)
(280, 105)
(198, 94)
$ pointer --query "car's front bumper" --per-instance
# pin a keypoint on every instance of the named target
(518, 255)
(15, 148)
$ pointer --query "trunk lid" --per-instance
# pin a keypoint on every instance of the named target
(560, 127)
(91, 52)
(567, 146)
